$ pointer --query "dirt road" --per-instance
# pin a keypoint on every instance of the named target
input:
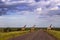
(39, 35)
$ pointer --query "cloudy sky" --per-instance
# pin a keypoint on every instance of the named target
(17, 13)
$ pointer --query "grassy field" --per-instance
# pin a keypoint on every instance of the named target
(7, 35)
(14, 32)
(54, 33)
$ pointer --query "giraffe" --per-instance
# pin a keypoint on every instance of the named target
(32, 28)
(23, 28)
(49, 28)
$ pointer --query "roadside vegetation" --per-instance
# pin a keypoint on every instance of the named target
(7, 35)
(54, 33)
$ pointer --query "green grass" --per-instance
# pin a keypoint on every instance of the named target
(54, 33)
(7, 35)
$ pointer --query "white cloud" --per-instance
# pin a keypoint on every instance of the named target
(58, 4)
(40, 7)
(31, 17)
(9, 2)
(54, 8)
(16, 20)
(14, 2)
(5, 0)
(30, 1)
(38, 10)
(56, 0)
